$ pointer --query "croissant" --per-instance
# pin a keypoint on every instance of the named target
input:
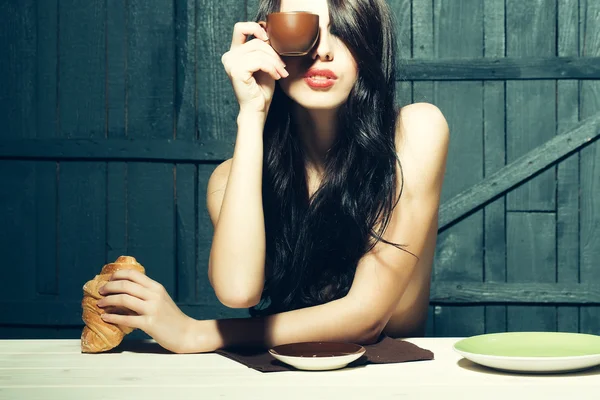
(97, 335)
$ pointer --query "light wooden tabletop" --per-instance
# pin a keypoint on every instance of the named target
(56, 369)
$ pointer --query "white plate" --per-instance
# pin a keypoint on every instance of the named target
(532, 352)
(318, 356)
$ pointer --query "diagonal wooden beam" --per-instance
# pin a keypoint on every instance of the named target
(518, 171)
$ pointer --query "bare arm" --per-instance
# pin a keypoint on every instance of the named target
(234, 198)
(234, 201)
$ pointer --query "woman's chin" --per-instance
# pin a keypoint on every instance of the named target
(310, 98)
(319, 101)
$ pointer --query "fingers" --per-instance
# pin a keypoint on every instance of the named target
(242, 30)
(256, 63)
(135, 276)
(131, 321)
(125, 286)
(268, 61)
(124, 300)
(257, 45)
(237, 59)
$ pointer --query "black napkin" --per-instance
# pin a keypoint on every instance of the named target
(385, 351)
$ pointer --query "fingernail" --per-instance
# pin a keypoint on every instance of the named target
(286, 74)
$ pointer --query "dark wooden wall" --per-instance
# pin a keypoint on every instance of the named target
(114, 114)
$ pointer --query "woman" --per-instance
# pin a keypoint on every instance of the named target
(325, 218)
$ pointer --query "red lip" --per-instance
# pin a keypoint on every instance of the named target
(327, 73)
(320, 83)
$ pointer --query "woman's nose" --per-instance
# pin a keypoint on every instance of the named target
(323, 50)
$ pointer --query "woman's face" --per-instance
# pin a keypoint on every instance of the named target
(324, 78)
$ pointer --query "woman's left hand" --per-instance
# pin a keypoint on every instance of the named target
(157, 313)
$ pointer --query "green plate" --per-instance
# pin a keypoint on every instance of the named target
(532, 351)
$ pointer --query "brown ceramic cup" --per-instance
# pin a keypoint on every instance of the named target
(292, 33)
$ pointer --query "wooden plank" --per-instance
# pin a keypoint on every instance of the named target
(459, 253)
(150, 69)
(443, 294)
(217, 106)
(523, 168)
(186, 129)
(40, 333)
(150, 97)
(515, 293)
(404, 93)
(82, 56)
(531, 258)
(528, 67)
(137, 148)
(185, 70)
(116, 67)
(82, 185)
(589, 245)
(18, 38)
(151, 221)
(402, 14)
(68, 313)
(422, 47)
(116, 177)
(531, 32)
(18, 69)
(494, 114)
(46, 274)
(186, 206)
(116, 212)
(567, 173)
(460, 314)
(82, 225)
(17, 236)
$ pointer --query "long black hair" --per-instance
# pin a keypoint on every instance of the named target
(314, 244)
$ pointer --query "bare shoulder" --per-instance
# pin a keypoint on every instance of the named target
(422, 139)
(215, 189)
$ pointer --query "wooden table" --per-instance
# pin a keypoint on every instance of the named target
(55, 369)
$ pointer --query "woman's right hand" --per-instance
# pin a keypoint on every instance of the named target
(252, 67)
